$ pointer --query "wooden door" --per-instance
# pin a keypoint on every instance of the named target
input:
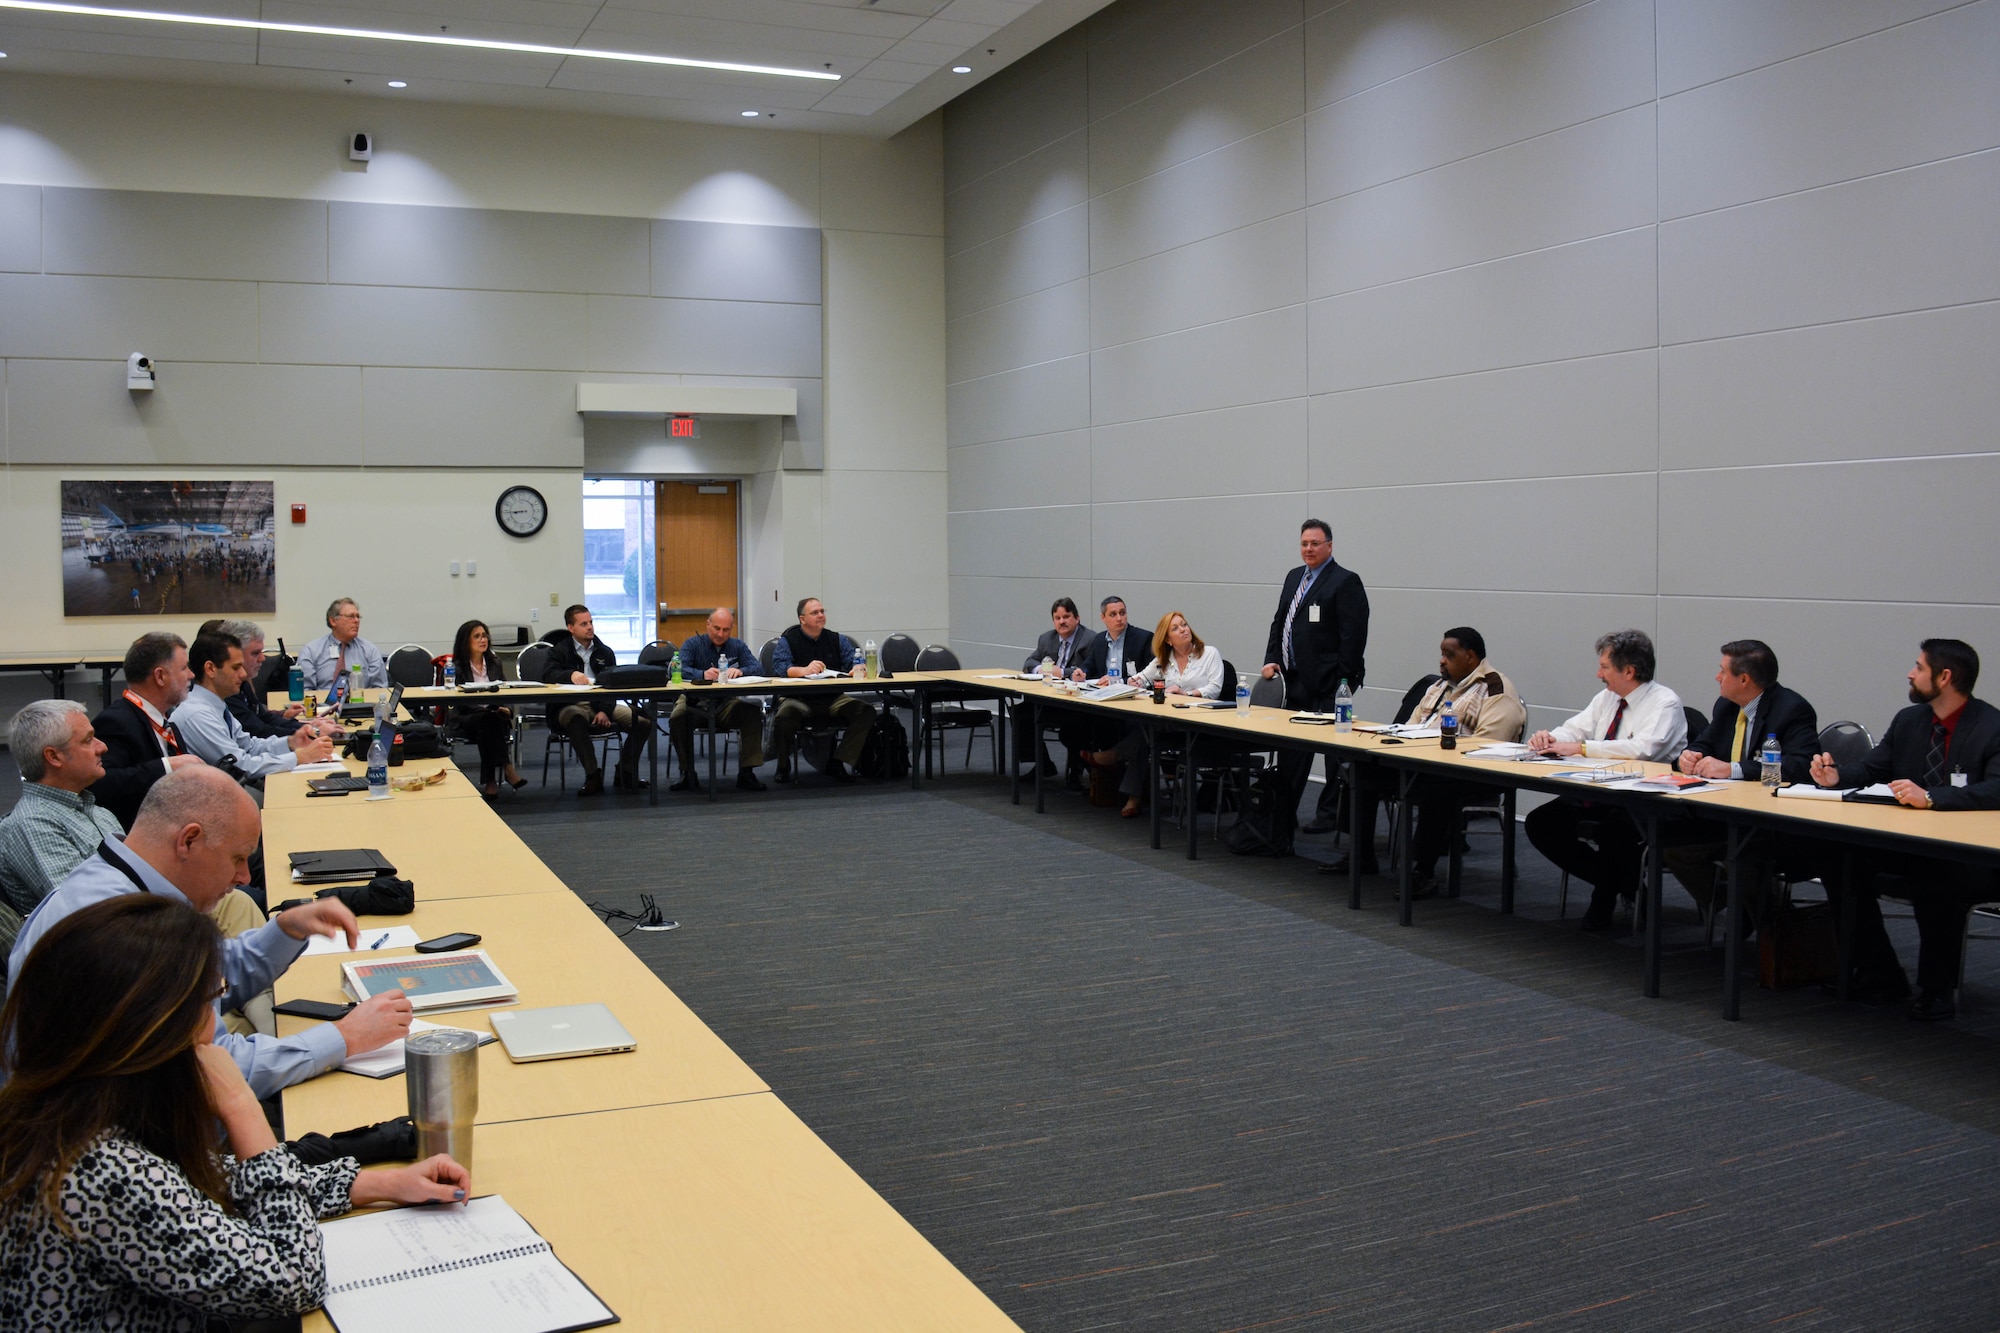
(697, 546)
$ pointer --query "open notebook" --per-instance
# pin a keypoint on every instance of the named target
(476, 1265)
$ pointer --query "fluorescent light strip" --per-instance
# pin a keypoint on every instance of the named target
(474, 43)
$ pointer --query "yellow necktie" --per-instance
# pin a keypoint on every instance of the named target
(1736, 746)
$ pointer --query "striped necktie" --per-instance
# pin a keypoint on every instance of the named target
(1934, 757)
(1292, 614)
(1616, 718)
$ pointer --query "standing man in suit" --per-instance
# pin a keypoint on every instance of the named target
(322, 661)
(1068, 644)
(579, 658)
(1752, 705)
(1941, 753)
(1317, 640)
(140, 745)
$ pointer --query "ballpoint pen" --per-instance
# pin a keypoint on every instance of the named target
(380, 942)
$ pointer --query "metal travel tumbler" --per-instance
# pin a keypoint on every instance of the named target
(442, 1070)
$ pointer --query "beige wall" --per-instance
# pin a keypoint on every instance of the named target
(866, 532)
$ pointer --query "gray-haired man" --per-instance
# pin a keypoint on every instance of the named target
(57, 822)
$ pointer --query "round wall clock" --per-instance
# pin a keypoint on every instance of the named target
(521, 511)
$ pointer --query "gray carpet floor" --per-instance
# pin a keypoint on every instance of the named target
(1122, 1090)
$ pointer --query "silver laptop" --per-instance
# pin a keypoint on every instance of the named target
(559, 1033)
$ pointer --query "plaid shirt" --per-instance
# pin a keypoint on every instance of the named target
(48, 835)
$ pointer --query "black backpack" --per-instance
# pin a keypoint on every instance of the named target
(887, 753)
(1255, 832)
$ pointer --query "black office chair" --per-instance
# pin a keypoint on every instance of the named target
(1847, 742)
(1697, 721)
(1498, 807)
(411, 666)
(899, 653)
(1404, 711)
(947, 711)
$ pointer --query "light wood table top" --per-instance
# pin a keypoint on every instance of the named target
(555, 951)
(287, 791)
(448, 848)
(727, 1214)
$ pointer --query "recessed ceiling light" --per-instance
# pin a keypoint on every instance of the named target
(397, 83)
(421, 39)
(961, 69)
(753, 114)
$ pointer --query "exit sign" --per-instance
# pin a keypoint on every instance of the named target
(684, 428)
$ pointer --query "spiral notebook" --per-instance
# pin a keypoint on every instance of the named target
(477, 1265)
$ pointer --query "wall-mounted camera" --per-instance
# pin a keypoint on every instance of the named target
(138, 371)
(361, 147)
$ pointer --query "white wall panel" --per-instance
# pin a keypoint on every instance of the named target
(1011, 612)
(1917, 93)
(1248, 181)
(1254, 450)
(1905, 241)
(1206, 539)
(1023, 108)
(1044, 182)
(1042, 254)
(1705, 40)
(704, 337)
(444, 418)
(730, 261)
(1900, 385)
(1046, 326)
(1571, 185)
(882, 527)
(410, 326)
(20, 228)
(1036, 400)
(1354, 45)
(1577, 300)
(1243, 272)
(98, 318)
(1870, 531)
(79, 412)
(1249, 360)
(1230, 100)
(1589, 415)
(1587, 62)
(1172, 43)
(141, 234)
(1234, 617)
(392, 246)
(1049, 542)
(1016, 474)
(884, 370)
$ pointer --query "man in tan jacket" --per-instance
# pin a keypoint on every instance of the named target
(1489, 709)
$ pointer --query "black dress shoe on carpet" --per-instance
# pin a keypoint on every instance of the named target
(838, 771)
(1599, 922)
(688, 783)
(1317, 826)
(631, 781)
(748, 781)
(592, 785)
(783, 775)
(1933, 1006)
(1423, 886)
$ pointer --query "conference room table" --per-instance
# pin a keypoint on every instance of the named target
(55, 667)
(670, 1177)
(1740, 809)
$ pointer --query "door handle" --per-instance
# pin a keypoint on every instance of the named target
(666, 610)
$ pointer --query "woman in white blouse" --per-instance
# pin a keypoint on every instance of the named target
(1187, 666)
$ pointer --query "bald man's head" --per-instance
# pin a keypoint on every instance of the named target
(199, 829)
(721, 625)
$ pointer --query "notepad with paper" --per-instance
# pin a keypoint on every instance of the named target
(477, 1265)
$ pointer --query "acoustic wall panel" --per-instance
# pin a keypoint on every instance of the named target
(1703, 41)
(1250, 360)
(1355, 45)
(1046, 253)
(140, 233)
(1248, 181)
(435, 418)
(20, 228)
(1044, 182)
(1017, 474)
(704, 337)
(396, 246)
(1035, 400)
(1241, 272)
(58, 316)
(1044, 326)
(1168, 45)
(1253, 450)
(729, 261)
(419, 326)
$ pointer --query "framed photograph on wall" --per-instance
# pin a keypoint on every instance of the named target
(168, 548)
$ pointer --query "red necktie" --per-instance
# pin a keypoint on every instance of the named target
(1616, 718)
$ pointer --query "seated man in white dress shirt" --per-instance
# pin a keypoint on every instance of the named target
(208, 729)
(1632, 717)
(322, 661)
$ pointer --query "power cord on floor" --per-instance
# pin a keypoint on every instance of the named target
(646, 918)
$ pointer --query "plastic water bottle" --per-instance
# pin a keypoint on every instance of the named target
(450, 674)
(1242, 698)
(873, 657)
(295, 683)
(1447, 727)
(859, 667)
(1773, 760)
(378, 765)
(721, 664)
(1048, 668)
(674, 671)
(1343, 709)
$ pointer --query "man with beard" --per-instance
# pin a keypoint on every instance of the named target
(1941, 753)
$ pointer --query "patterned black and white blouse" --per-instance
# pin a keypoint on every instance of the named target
(147, 1250)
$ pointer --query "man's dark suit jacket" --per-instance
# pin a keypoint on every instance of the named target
(564, 662)
(1138, 648)
(131, 760)
(256, 719)
(1330, 651)
(1777, 709)
(1975, 752)
(1050, 645)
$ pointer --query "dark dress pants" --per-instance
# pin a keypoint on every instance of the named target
(1941, 894)
(1611, 867)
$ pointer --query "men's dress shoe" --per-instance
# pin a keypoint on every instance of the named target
(1318, 824)
(1423, 886)
(1933, 1006)
(592, 785)
(688, 782)
(748, 781)
(1049, 769)
(1340, 865)
(784, 774)
(838, 771)
(1599, 921)
(631, 781)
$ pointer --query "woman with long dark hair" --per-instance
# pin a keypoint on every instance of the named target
(488, 726)
(118, 1206)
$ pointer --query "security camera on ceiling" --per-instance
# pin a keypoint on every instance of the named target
(361, 147)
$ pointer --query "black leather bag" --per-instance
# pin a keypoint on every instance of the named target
(632, 676)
